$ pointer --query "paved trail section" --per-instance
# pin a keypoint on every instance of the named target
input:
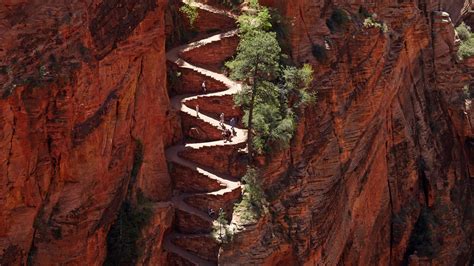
(192, 243)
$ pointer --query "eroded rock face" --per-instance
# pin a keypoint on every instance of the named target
(82, 83)
(381, 166)
(380, 169)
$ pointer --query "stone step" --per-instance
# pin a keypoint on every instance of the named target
(226, 200)
(216, 10)
(225, 160)
(206, 75)
(208, 20)
(202, 172)
(188, 180)
(190, 81)
(181, 65)
(198, 130)
(213, 39)
(214, 54)
(172, 156)
(215, 105)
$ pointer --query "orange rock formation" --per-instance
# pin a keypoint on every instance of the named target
(205, 173)
(381, 167)
(81, 83)
(380, 171)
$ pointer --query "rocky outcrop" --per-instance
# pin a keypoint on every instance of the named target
(379, 168)
(83, 83)
(205, 173)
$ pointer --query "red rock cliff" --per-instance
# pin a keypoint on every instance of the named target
(381, 166)
(82, 82)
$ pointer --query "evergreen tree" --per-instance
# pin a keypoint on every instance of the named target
(253, 190)
(270, 93)
(222, 221)
(190, 11)
(256, 62)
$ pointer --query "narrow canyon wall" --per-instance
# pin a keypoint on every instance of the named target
(83, 86)
(381, 167)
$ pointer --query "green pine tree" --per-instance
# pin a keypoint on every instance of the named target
(271, 93)
(222, 221)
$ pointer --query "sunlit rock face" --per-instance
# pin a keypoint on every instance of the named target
(82, 82)
(380, 170)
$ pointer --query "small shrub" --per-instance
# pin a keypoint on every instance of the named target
(252, 187)
(3, 70)
(43, 71)
(57, 233)
(371, 22)
(253, 202)
(466, 49)
(464, 31)
(190, 11)
(338, 19)
(122, 238)
(467, 94)
(320, 53)
(221, 230)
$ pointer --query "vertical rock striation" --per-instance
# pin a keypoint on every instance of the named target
(381, 167)
(380, 170)
(82, 83)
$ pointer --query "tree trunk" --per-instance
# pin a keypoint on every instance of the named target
(250, 122)
(249, 138)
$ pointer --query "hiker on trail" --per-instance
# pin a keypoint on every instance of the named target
(232, 125)
(197, 110)
(224, 135)
(222, 119)
(227, 134)
(210, 212)
(203, 86)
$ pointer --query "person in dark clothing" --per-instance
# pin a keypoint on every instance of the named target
(210, 212)
(232, 125)
(228, 135)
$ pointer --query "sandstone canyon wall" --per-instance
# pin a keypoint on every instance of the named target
(83, 84)
(381, 166)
